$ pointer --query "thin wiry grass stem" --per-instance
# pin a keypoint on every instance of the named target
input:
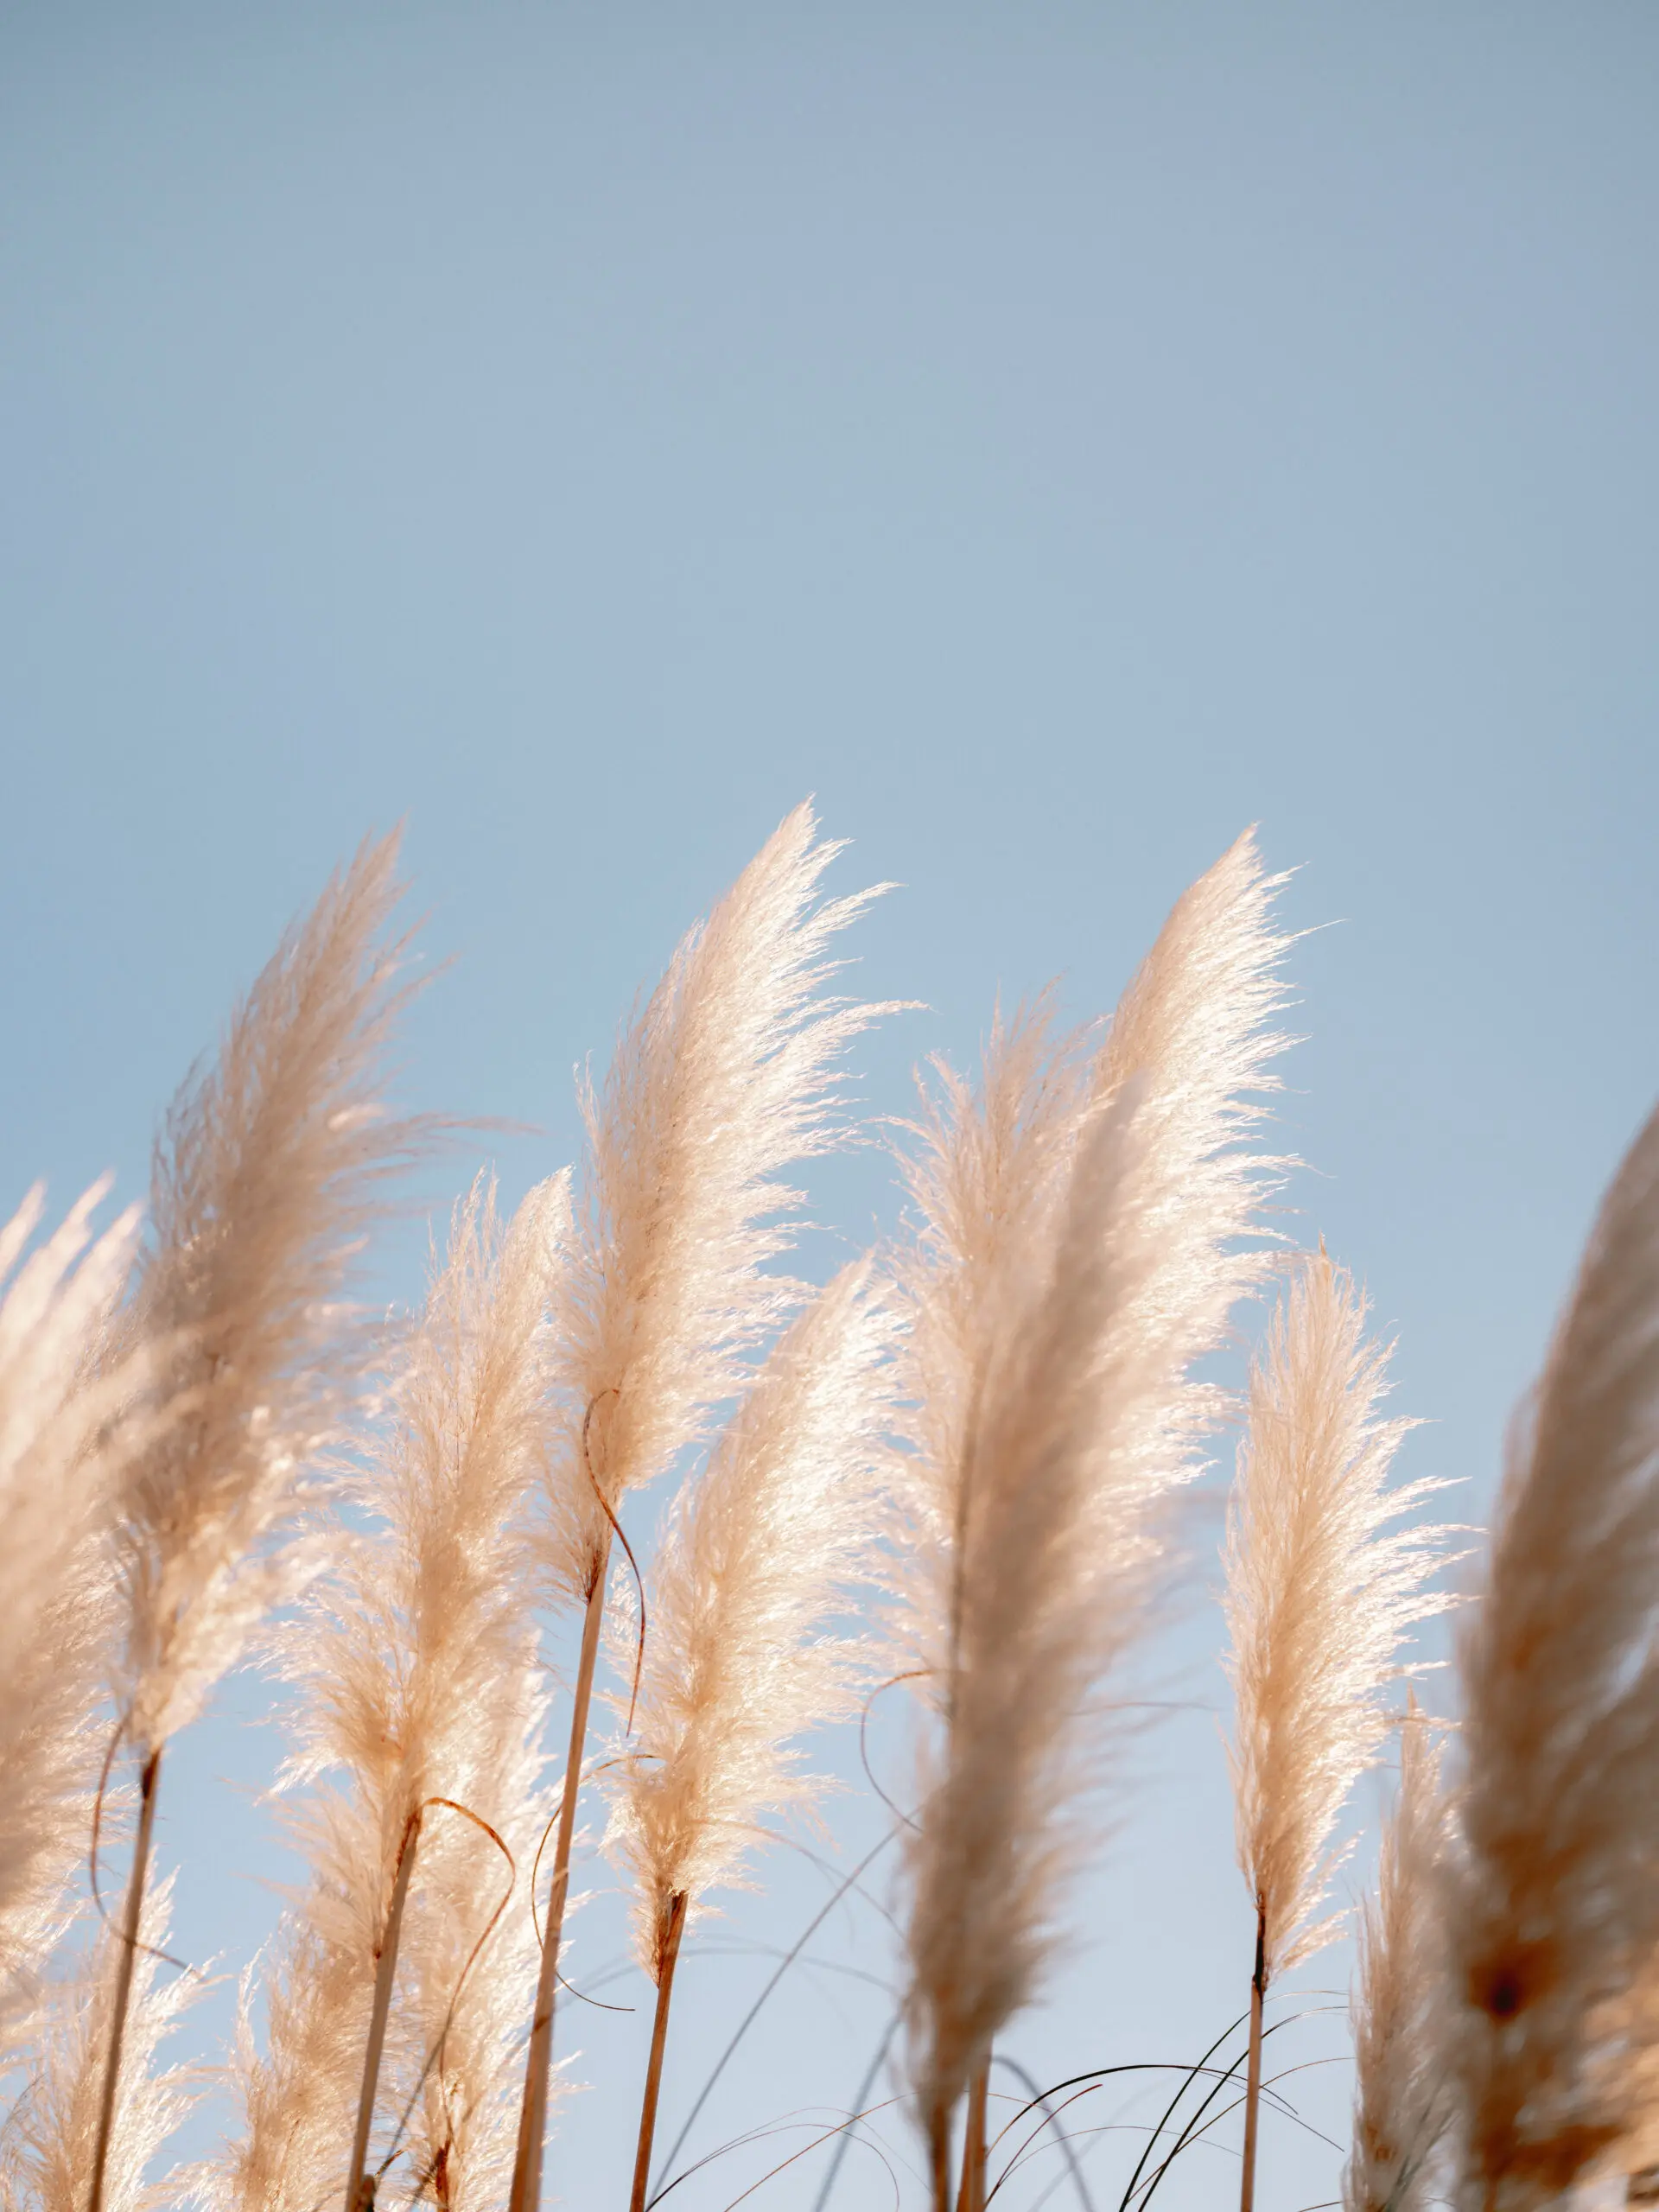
(1253, 2078)
(148, 1783)
(970, 2197)
(360, 2189)
(532, 2113)
(669, 1959)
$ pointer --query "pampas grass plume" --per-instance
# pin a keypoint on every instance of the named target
(1076, 1253)
(1401, 2101)
(724, 1081)
(1322, 1588)
(761, 1552)
(267, 1177)
(1551, 1912)
(64, 1434)
(46, 2162)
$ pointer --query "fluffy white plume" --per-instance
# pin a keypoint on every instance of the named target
(267, 1175)
(761, 1553)
(1076, 1253)
(63, 1440)
(724, 1081)
(46, 2161)
(1402, 2101)
(1322, 1588)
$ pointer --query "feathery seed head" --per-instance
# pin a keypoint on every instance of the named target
(761, 1553)
(1076, 1253)
(724, 1081)
(269, 1173)
(1552, 1911)
(1321, 1589)
(1401, 2101)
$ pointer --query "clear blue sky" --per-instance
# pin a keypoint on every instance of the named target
(1055, 436)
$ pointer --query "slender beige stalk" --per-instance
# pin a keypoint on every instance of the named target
(970, 2197)
(1401, 2103)
(1253, 2067)
(385, 1973)
(1551, 1914)
(138, 1884)
(532, 2113)
(1078, 1250)
(724, 1081)
(419, 1713)
(668, 1960)
(1321, 1590)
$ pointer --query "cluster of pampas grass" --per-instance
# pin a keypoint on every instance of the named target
(723, 1083)
(961, 1464)
(414, 1665)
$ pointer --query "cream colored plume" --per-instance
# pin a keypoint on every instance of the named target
(761, 1553)
(268, 1174)
(415, 1662)
(1401, 2103)
(1322, 1587)
(46, 2147)
(1076, 1254)
(723, 1082)
(1552, 1914)
(64, 1437)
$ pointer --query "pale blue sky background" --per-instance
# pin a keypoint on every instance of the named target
(1057, 435)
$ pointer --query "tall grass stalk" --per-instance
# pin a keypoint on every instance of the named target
(724, 1081)
(385, 1973)
(137, 1883)
(1551, 1912)
(1077, 1251)
(970, 2197)
(268, 1173)
(668, 1958)
(1322, 1588)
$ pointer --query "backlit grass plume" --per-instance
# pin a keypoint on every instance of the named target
(269, 1173)
(1402, 2102)
(414, 1664)
(49, 2144)
(1076, 1254)
(1322, 1586)
(761, 1553)
(62, 1443)
(724, 1081)
(1552, 1916)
